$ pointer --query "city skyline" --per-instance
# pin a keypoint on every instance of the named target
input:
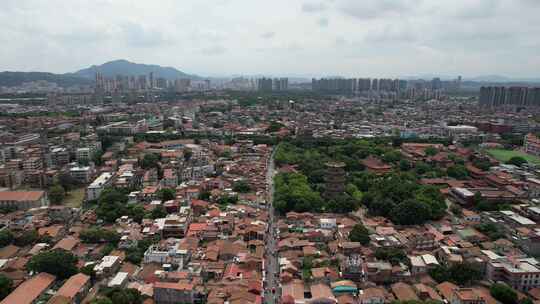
(292, 38)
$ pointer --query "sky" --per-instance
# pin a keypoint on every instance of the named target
(305, 38)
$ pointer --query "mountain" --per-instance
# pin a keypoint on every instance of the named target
(127, 68)
(13, 79)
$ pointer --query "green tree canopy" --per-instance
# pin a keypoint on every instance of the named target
(58, 262)
(458, 172)
(99, 235)
(6, 237)
(359, 233)
(6, 286)
(166, 194)
(57, 194)
(241, 186)
(431, 151)
(504, 293)
(460, 274)
(150, 160)
(517, 161)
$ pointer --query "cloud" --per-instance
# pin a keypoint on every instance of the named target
(139, 36)
(268, 35)
(314, 7)
(370, 9)
(323, 22)
(385, 37)
(214, 50)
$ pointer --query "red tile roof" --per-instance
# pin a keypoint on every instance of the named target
(30, 289)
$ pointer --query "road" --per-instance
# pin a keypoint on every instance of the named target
(271, 259)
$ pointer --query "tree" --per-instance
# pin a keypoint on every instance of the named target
(136, 212)
(6, 286)
(150, 160)
(96, 158)
(99, 235)
(241, 186)
(67, 181)
(26, 238)
(158, 212)
(6, 237)
(58, 262)
(491, 230)
(456, 210)
(89, 271)
(274, 127)
(102, 301)
(204, 195)
(410, 212)
(517, 161)
(359, 233)
(124, 296)
(111, 204)
(460, 274)
(57, 194)
(166, 194)
(504, 293)
(404, 165)
(458, 172)
(392, 255)
(431, 151)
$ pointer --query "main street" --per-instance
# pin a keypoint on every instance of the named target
(271, 288)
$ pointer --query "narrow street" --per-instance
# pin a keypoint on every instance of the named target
(271, 289)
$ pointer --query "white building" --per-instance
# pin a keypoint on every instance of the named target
(96, 187)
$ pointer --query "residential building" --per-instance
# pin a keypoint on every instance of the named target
(172, 293)
(96, 187)
(30, 290)
(23, 200)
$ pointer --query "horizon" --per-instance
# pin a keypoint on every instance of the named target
(297, 38)
(425, 76)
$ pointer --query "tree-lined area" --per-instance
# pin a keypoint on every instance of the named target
(397, 195)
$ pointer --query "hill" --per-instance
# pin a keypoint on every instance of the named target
(124, 67)
(12, 79)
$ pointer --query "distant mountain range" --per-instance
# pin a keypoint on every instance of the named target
(13, 79)
(87, 76)
(123, 67)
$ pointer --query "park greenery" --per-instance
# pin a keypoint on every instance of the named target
(396, 195)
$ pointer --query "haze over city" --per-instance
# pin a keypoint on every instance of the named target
(270, 152)
(376, 38)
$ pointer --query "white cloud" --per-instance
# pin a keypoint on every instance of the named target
(308, 37)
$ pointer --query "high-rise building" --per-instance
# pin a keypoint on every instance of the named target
(334, 85)
(364, 84)
(264, 84)
(512, 96)
(436, 84)
(280, 84)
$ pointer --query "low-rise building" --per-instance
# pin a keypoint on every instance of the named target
(172, 293)
(98, 185)
(23, 200)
